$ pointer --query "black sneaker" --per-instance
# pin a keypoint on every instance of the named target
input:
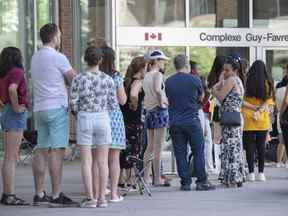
(13, 200)
(63, 201)
(205, 186)
(186, 187)
(45, 200)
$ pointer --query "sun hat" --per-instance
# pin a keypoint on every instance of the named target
(157, 54)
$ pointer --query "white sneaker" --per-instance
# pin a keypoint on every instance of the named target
(88, 203)
(251, 177)
(286, 165)
(261, 177)
(102, 204)
(278, 165)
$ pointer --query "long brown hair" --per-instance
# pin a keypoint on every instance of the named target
(259, 83)
(135, 66)
(10, 57)
(108, 61)
(216, 71)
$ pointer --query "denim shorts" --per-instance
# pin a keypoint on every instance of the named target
(93, 129)
(12, 121)
(53, 128)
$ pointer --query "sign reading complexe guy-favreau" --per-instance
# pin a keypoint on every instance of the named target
(240, 37)
(249, 37)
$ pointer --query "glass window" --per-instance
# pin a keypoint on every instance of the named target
(94, 23)
(128, 53)
(44, 12)
(17, 27)
(17, 24)
(205, 56)
(219, 13)
(9, 23)
(270, 13)
(152, 13)
(27, 35)
(276, 61)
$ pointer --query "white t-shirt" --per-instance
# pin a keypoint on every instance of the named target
(48, 68)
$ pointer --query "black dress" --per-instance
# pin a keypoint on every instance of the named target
(134, 128)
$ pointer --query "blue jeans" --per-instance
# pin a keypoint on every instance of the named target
(182, 136)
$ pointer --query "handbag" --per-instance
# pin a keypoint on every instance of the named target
(232, 119)
(216, 114)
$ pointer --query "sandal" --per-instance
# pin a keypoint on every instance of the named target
(13, 200)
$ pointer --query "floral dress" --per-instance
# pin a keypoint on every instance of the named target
(117, 120)
(232, 160)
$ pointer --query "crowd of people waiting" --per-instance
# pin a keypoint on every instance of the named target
(236, 101)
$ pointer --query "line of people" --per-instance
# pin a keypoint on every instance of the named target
(110, 125)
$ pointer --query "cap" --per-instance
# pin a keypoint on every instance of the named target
(157, 54)
(236, 56)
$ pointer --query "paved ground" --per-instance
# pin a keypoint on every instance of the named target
(269, 198)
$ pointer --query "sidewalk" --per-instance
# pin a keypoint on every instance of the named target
(263, 199)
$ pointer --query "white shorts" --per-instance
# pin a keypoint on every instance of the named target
(93, 129)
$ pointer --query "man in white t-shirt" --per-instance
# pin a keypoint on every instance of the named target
(50, 71)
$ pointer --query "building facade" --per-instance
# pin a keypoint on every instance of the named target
(256, 29)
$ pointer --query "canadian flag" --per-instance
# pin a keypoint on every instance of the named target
(153, 36)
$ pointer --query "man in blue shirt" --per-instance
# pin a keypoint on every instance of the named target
(184, 92)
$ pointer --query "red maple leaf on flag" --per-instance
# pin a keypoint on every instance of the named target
(153, 36)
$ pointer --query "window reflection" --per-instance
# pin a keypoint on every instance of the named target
(205, 56)
(276, 61)
(219, 13)
(93, 22)
(202, 13)
(9, 23)
(44, 15)
(270, 13)
(152, 13)
(128, 53)
(44, 12)
(17, 25)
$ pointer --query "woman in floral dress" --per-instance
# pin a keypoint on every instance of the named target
(117, 122)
